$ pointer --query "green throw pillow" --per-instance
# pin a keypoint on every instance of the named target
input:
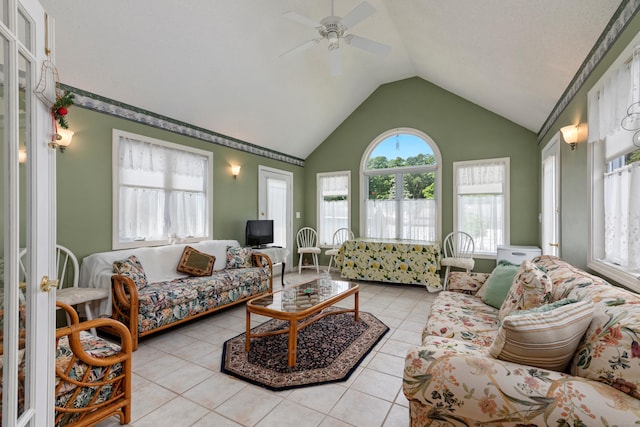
(498, 284)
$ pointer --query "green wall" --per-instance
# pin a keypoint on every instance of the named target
(84, 183)
(574, 179)
(462, 130)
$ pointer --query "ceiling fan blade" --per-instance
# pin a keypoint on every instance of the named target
(335, 64)
(358, 14)
(304, 46)
(368, 45)
(301, 19)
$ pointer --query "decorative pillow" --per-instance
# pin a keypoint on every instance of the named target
(196, 263)
(495, 289)
(610, 351)
(238, 257)
(531, 288)
(546, 337)
(131, 268)
(466, 283)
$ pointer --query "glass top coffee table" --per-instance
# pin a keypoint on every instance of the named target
(300, 305)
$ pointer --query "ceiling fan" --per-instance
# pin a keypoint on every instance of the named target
(334, 29)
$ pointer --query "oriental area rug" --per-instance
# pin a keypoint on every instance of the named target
(329, 350)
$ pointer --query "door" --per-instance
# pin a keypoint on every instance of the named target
(550, 216)
(275, 201)
(28, 218)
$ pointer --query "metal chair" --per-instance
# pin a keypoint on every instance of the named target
(339, 237)
(306, 239)
(458, 253)
(68, 268)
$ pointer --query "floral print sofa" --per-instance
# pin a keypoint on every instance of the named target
(452, 379)
(149, 294)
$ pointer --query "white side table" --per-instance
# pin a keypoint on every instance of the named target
(278, 255)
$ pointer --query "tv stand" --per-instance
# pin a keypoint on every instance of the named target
(277, 254)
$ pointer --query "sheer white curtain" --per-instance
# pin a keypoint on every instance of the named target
(609, 107)
(162, 192)
(622, 216)
(333, 206)
(418, 219)
(614, 117)
(381, 219)
(480, 189)
(277, 209)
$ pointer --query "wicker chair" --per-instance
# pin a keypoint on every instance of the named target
(93, 376)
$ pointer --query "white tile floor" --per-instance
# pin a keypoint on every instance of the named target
(177, 379)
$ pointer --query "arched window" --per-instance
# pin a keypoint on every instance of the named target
(400, 178)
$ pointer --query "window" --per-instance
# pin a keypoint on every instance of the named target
(614, 168)
(333, 204)
(161, 192)
(481, 202)
(400, 178)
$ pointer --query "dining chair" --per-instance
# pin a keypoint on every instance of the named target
(68, 291)
(306, 240)
(74, 295)
(458, 253)
(340, 236)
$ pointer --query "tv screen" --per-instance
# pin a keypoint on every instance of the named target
(259, 232)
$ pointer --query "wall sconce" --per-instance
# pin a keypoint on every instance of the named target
(235, 171)
(22, 155)
(61, 139)
(570, 135)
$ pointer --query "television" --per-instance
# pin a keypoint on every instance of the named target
(259, 232)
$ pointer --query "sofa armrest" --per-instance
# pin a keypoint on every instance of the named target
(92, 383)
(466, 283)
(263, 260)
(452, 381)
(125, 308)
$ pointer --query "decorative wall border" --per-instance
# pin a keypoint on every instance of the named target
(618, 22)
(101, 104)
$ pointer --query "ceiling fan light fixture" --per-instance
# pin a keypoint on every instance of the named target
(333, 37)
(333, 28)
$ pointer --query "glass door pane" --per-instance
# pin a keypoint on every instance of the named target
(550, 215)
(27, 315)
(277, 209)
(26, 284)
(275, 201)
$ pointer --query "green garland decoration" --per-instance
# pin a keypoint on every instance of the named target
(60, 110)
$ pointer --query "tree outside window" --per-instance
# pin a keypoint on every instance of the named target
(400, 177)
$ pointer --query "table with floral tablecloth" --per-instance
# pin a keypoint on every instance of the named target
(391, 260)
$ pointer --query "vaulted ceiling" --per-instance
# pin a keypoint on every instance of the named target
(219, 64)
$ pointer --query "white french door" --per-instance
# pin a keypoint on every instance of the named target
(28, 220)
(275, 201)
(550, 216)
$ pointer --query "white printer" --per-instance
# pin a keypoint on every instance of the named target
(517, 254)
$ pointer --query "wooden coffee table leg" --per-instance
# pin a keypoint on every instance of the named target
(357, 302)
(293, 342)
(247, 335)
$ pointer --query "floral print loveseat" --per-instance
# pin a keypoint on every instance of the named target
(452, 379)
(149, 294)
